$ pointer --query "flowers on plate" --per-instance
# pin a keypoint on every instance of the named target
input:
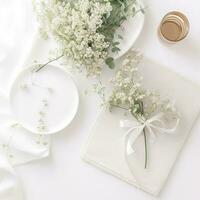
(85, 29)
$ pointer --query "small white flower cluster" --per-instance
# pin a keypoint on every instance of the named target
(129, 94)
(42, 114)
(75, 26)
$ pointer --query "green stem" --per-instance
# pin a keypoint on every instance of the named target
(119, 107)
(42, 66)
(145, 146)
(144, 132)
(145, 138)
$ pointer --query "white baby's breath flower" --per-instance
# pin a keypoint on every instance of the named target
(128, 91)
(74, 25)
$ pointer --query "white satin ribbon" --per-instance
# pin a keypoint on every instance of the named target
(153, 125)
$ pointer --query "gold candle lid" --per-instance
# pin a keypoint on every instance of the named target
(174, 26)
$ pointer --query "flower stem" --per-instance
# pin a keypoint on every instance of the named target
(145, 147)
(50, 61)
(119, 107)
(145, 138)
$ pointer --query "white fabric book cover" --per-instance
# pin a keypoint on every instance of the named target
(105, 147)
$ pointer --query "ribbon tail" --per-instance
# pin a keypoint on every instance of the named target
(166, 130)
(131, 137)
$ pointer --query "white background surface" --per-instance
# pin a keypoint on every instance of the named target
(65, 176)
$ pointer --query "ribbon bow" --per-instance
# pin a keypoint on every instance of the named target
(152, 125)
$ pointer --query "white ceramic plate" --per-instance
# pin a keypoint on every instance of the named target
(130, 31)
(48, 98)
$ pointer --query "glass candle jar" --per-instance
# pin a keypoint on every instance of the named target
(174, 27)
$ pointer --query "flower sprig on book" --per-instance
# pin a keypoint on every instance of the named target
(146, 107)
(85, 29)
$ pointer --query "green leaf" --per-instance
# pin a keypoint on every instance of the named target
(120, 37)
(116, 43)
(110, 62)
(115, 49)
(142, 10)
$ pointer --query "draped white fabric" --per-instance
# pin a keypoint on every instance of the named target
(16, 35)
(17, 145)
(9, 185)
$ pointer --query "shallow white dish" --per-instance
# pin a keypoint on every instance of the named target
(130, 31)
(50, 96)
